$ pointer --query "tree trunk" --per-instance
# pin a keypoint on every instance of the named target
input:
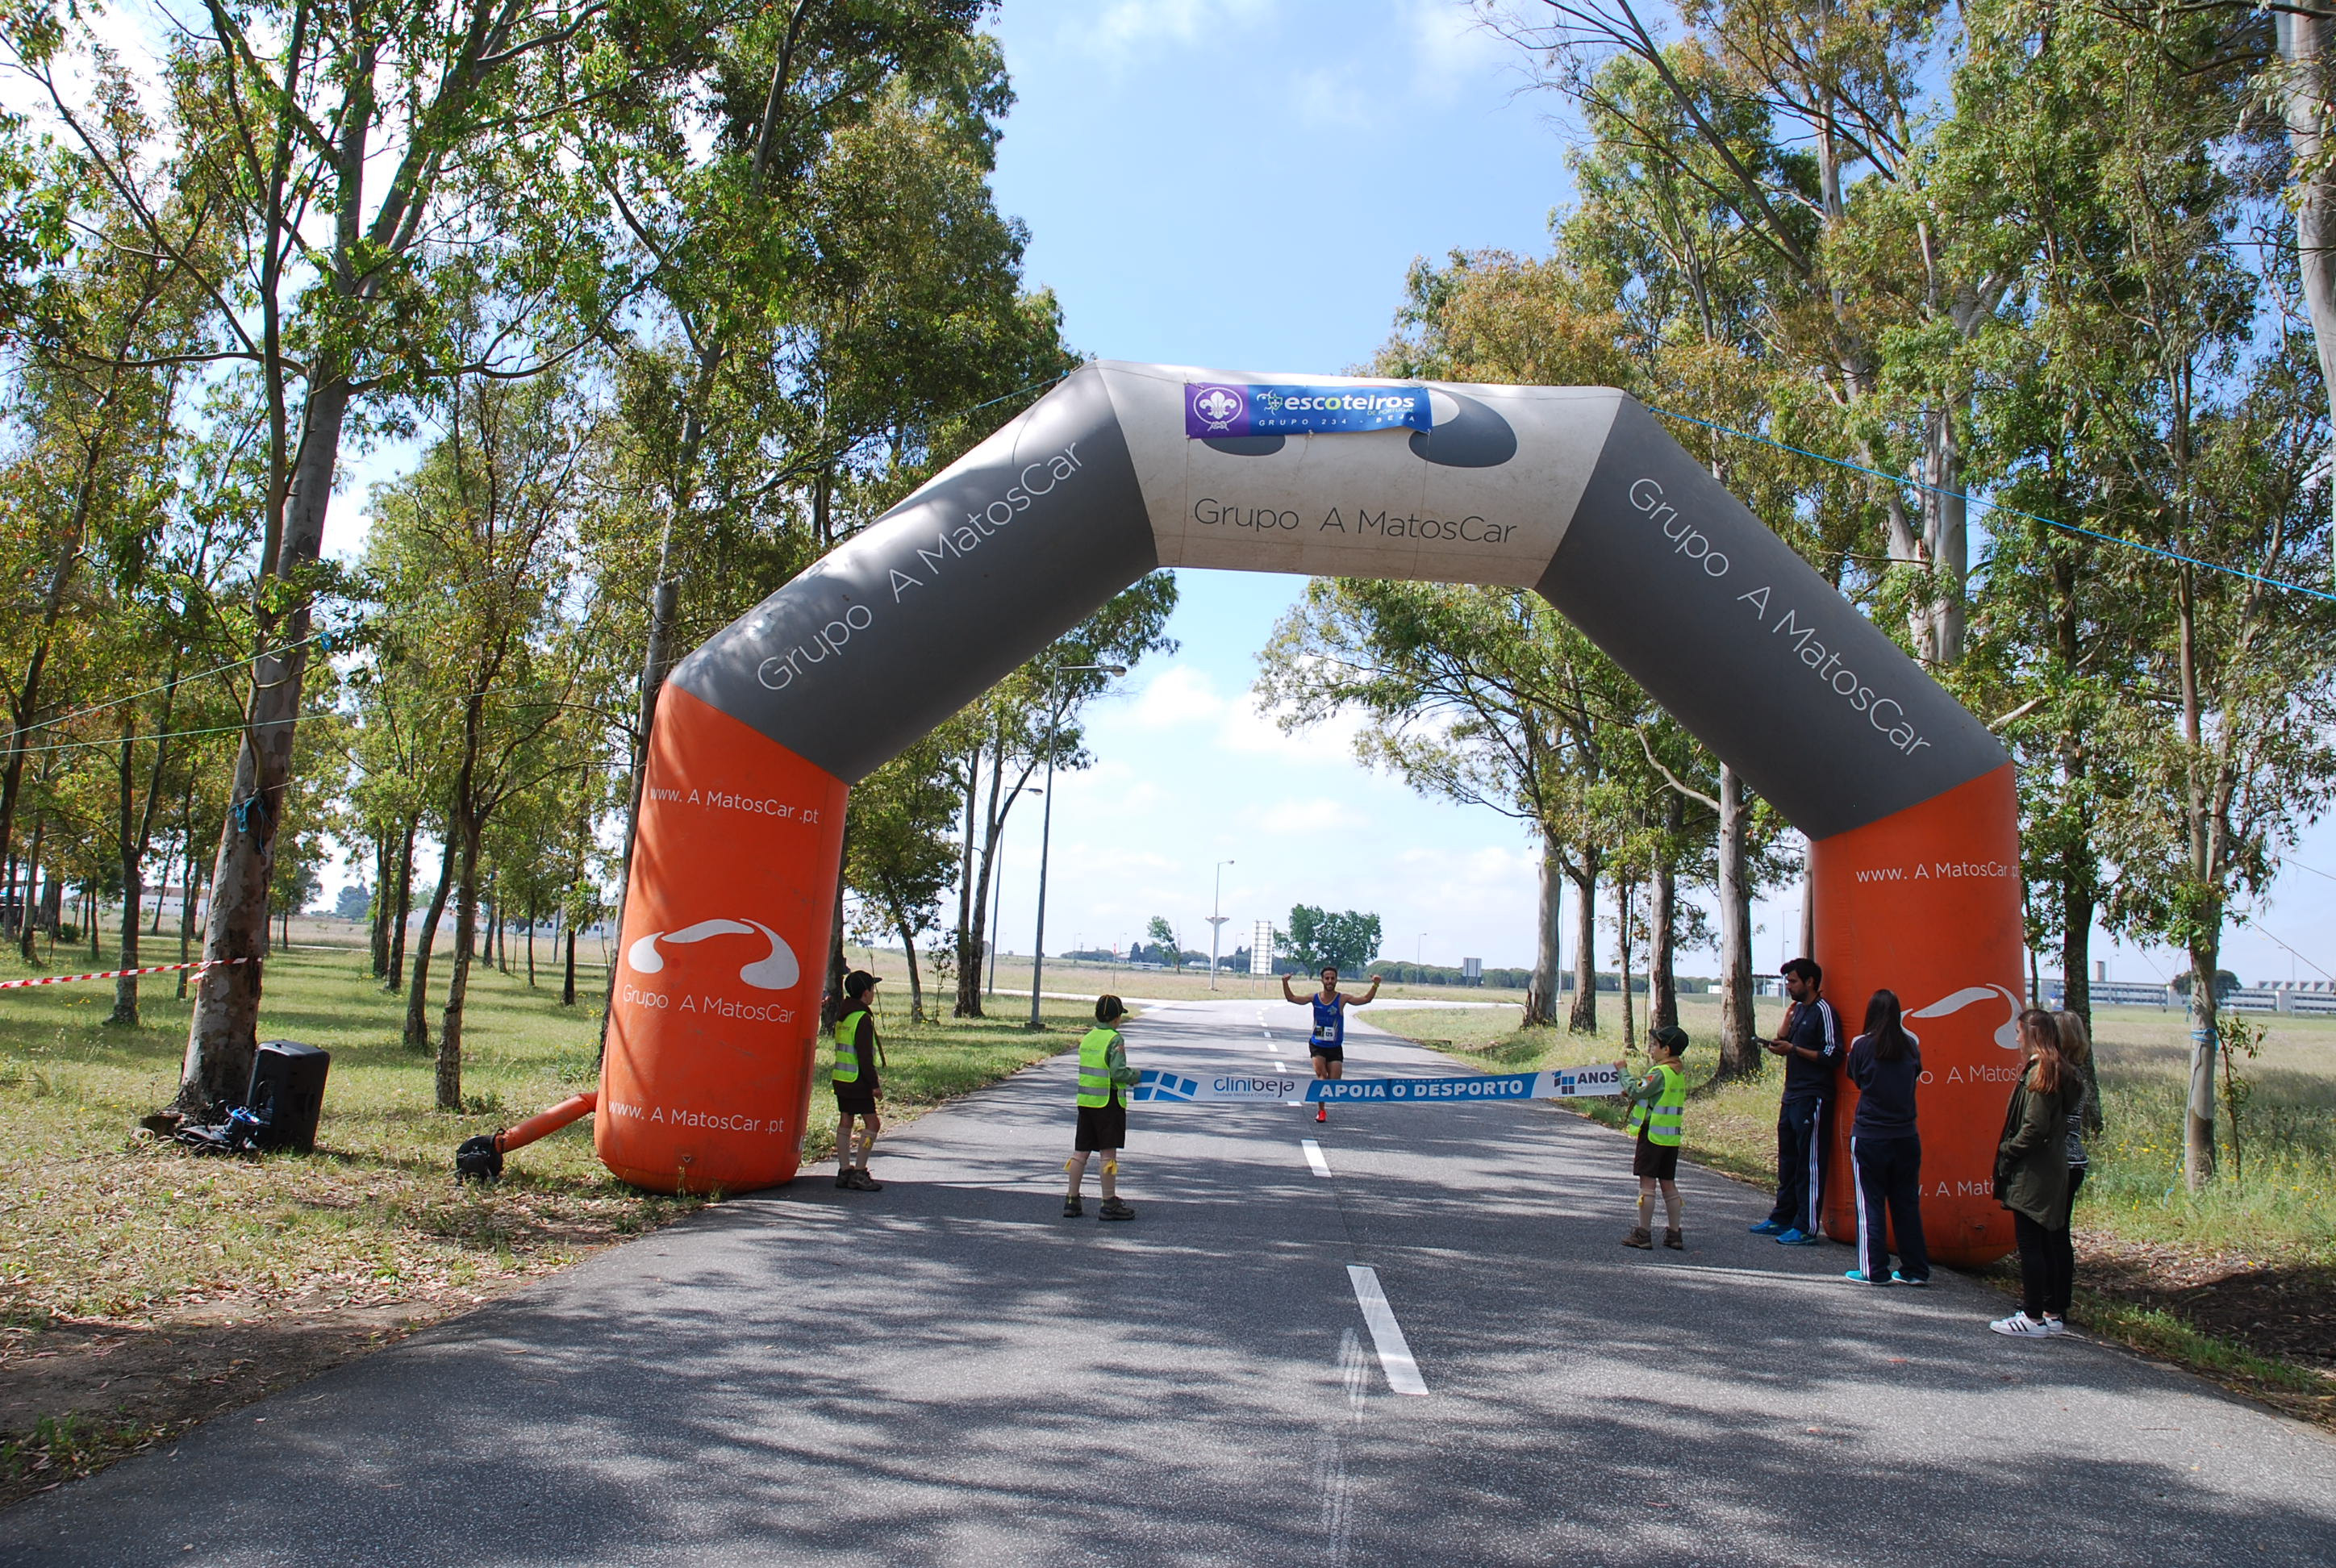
(968, 955)
(458, 982)
(224, 1031)
(567, 981)
(1627, 894)
(402, 912)
(1542, 994)
(379, 911)
(968, 975)
(2198, 1119)
(132, 856)
(2304, 100)
(916, 981)
(27, 923)
(531, 943)
(1583, 1018)
(1662, 917)
(1739, 1048)
(417, 1017)
(187, 922)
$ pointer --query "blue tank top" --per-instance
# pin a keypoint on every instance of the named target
(1329, 1021)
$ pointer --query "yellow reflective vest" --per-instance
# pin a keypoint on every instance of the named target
(1094, 1066)
(846, 1069)
(1669, 1114)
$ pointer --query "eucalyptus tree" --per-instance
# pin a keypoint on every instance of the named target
(900, 855)
(355, 153)
(1028, 718)
(469, 558)
(1487, 697)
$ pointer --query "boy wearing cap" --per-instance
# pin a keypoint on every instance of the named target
(1104, 1072)
(854, 1078)
(1658, 1110)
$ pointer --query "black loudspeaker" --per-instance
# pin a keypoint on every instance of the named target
(287, 1092)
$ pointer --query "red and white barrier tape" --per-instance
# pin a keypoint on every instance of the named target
(119, 974)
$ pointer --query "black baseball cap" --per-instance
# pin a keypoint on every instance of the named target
(1672, 1038)
(857, 981)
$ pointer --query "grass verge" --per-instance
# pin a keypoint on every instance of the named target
(143, 1288)
(2236, 1283)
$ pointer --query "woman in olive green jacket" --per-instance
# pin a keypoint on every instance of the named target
(2031, 1180)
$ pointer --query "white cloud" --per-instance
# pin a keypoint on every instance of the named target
(1127, 29)
(1452, 49)
(1316, 814)
(1181, 694)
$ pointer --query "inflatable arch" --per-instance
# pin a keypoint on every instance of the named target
(1575, 493)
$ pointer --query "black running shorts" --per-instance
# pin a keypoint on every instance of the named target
(1102, 1127)
(1659, 1160)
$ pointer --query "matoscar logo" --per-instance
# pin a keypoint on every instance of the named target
(775, 970)
(2007, 1034)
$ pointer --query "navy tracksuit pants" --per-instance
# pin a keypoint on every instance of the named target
(1802, 1124)
(1889, 1181)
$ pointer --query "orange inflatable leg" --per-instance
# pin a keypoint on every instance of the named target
(1926, 903)
(713, 1026)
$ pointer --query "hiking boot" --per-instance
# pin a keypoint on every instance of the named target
(1073, 1208)
(843, 1177)
(1112, 1209)
(1640, 1237)
(861, 1182)
(1674, 1239)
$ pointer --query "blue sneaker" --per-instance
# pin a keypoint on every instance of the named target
(1767, 1228)
(1796, 1238)
(1904, 1280)
(1860, 1277)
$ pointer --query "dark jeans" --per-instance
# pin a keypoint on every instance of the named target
(2048, 1258)
(1890, 1179)
(1801, 1128)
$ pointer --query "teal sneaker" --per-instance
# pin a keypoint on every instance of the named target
(1766, 1228)
(1905, 1279)
(1796, 1238)
(1860, 1277)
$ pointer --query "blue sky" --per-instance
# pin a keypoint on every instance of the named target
(1242, 183)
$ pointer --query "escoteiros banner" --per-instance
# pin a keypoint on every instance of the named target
(1158, 1087)
(1222, 409)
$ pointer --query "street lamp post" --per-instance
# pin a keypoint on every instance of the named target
(1046, 817)
(1216, 920)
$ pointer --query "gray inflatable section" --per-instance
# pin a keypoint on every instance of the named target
(1575, 491)
(1023, 538)
(1762, 660)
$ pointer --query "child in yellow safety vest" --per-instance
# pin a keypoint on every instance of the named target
(1658, 1110)
(1104, 1072)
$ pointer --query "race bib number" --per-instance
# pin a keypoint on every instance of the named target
(1325, 1034)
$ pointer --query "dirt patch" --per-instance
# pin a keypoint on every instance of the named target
(2284, 1310)
(77, 1394)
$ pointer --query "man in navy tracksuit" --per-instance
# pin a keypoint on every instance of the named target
(1811, 1044)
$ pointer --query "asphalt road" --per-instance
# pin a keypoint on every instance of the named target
(949, 1372)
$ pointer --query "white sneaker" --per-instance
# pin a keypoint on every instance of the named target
(2055, 1326)
(2020, 1326)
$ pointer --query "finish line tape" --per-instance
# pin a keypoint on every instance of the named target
(122, 974)
(1157, 1087)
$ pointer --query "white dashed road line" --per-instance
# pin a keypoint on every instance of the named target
(1314, 1157)
(1387, 1334)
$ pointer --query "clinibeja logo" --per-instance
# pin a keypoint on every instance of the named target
(1157, 1086)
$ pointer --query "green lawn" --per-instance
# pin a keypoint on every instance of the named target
(103, 1220)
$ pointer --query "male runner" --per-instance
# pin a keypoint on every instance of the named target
(1327, 1044)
